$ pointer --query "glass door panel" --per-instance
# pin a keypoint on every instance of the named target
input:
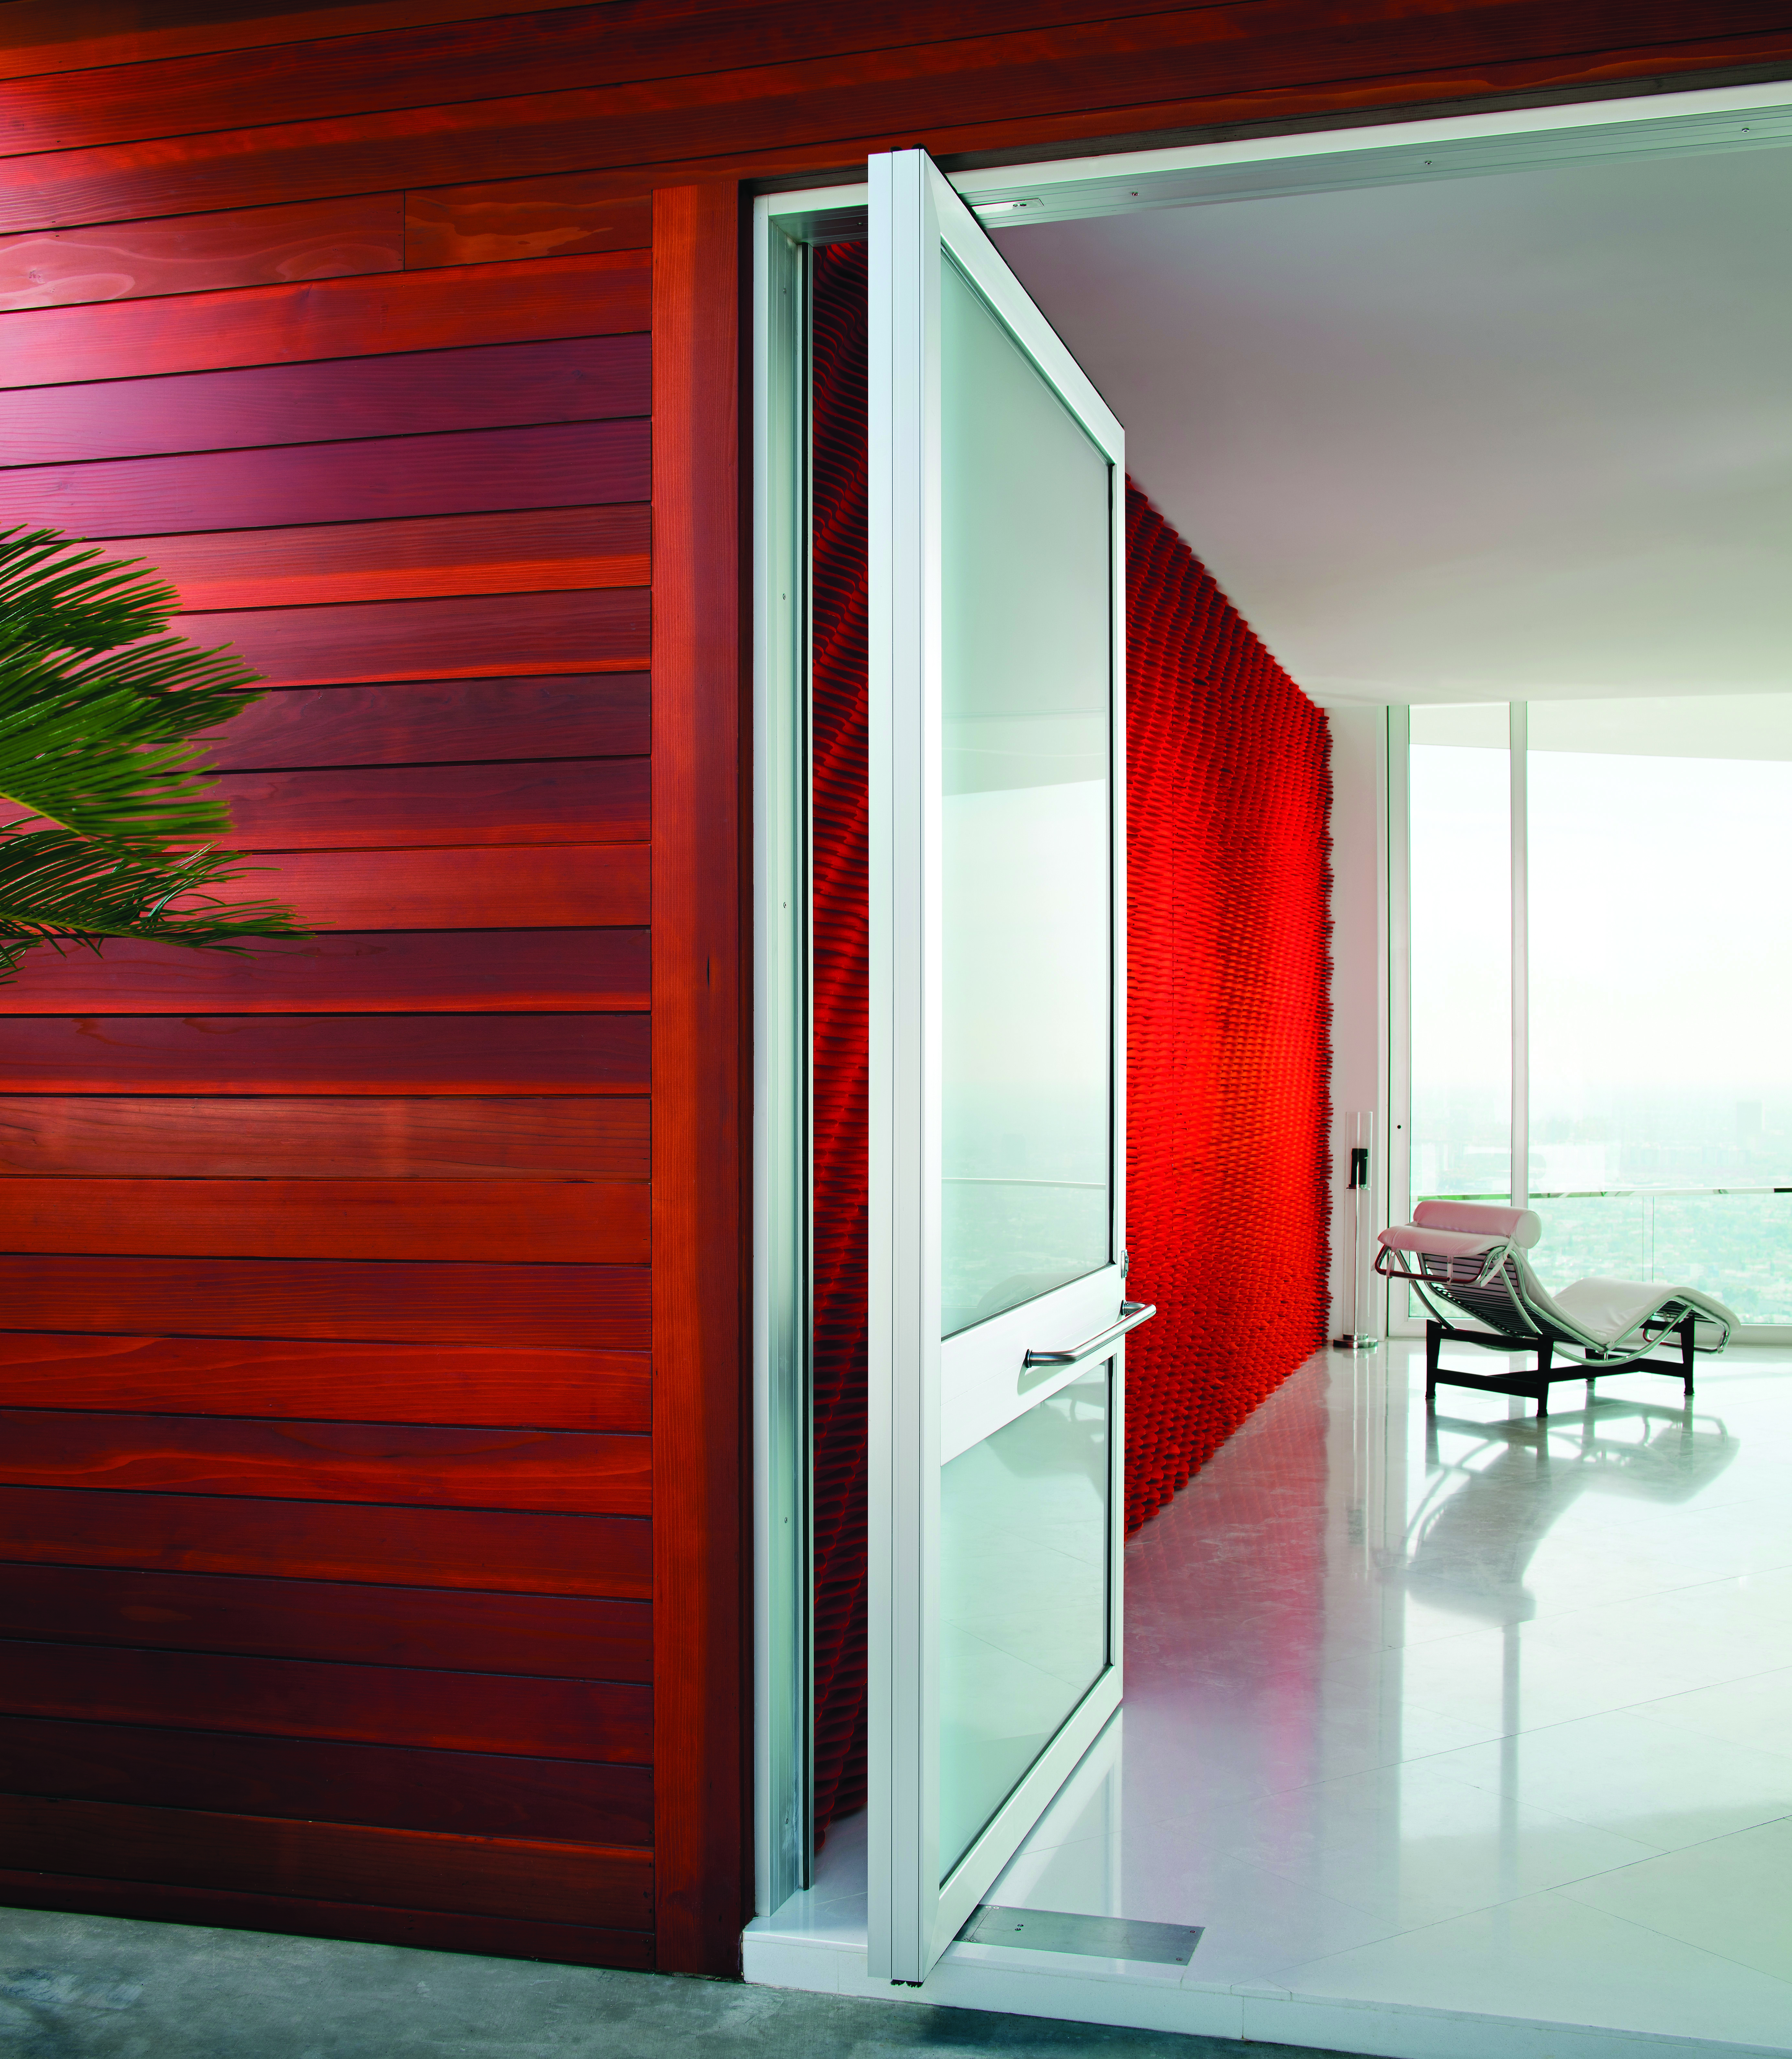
(997, 1376)
(1025, 1519)
(1027, 606)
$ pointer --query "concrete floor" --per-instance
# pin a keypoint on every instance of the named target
(95, 1987)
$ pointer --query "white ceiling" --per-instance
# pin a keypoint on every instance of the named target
(1524, 435)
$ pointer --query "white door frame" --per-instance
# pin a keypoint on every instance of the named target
(1398, 150)
(913, 1426)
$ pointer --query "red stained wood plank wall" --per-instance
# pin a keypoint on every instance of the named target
(372, 1478)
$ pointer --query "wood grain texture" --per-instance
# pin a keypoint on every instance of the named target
(492, 223)
(547, 1635)
(549, 1222)
(606, 294)
(546, 887)
(599, 1308)
(426, 65)
(579, 800)
(702, 1832)
(205, 1690)
(474, 1793)
(568, 1389)
(370, 972)
(467, 143)
(258, 247)
(446, 65)
(491, 1937)
(533, 550)
(374, 1055)
(968, 92)
(538, 134)
(405, 393)
(60, 35)
(584, 801)
(568, 1472)
(440, 722)
(323, 1138)
(565, 465)
(608, 1886)
(494, 1551)
(495, 635)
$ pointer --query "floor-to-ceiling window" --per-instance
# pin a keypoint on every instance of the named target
(1460, 866)
(1623, 865)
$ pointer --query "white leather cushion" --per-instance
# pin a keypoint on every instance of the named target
(1439, 1243)
(1608, 1308)
(1520, 1226)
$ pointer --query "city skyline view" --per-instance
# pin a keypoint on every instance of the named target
(1660, 978)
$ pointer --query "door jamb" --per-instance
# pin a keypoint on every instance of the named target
(1397, 151)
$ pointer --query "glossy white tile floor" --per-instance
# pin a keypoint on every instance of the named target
(1448, 1732)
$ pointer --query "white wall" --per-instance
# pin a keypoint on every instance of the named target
(1359, 964)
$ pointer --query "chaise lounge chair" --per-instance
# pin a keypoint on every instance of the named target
(1463, 1259)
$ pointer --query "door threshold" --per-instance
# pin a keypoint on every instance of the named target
(816, 1943)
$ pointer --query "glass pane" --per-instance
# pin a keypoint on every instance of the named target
(1661, 986)
(1736, 1246)
(1023, 1598)
(1461, 866)
(1026, 979)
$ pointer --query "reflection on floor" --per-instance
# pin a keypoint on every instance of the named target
(1425, 1719)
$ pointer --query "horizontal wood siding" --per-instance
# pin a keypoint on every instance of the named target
(496, 1550)
(373, 1485)
(325, 1136)
(408, 392)
(531, 1878)
(478, 1795)
(550, 1386)
(325, 1463)
(257, 246)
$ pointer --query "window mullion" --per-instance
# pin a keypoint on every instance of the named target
(1519, 713)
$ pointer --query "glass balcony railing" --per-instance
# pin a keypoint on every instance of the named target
(1733, 1242)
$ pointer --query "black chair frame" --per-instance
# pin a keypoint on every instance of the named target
(1589, 1366)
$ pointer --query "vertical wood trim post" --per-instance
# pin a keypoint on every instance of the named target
(700, 1461)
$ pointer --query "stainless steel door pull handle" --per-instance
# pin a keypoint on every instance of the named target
(1131, 1314)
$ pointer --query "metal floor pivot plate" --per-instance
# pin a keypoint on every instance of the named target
(1094, 1936)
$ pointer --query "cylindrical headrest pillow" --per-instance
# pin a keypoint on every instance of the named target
(1440, 1243)
(1522, 1226)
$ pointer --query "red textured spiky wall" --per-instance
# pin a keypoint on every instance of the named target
(839, 723)
(1228, 794)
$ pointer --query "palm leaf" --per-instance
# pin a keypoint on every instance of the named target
(94, 752)
(58, 888)
(99, 743)
(102, 721)
(64, 598)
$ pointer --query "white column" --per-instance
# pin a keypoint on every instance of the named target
(1521, 960)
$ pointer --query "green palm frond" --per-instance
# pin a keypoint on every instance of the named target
(100, 711)
(57, 888)
(88, 750)
(100, 743)
(183, 689)
(53, 593)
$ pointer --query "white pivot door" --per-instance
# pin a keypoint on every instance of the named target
(997, 1287)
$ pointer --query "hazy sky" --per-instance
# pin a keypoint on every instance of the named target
(1661, 929)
